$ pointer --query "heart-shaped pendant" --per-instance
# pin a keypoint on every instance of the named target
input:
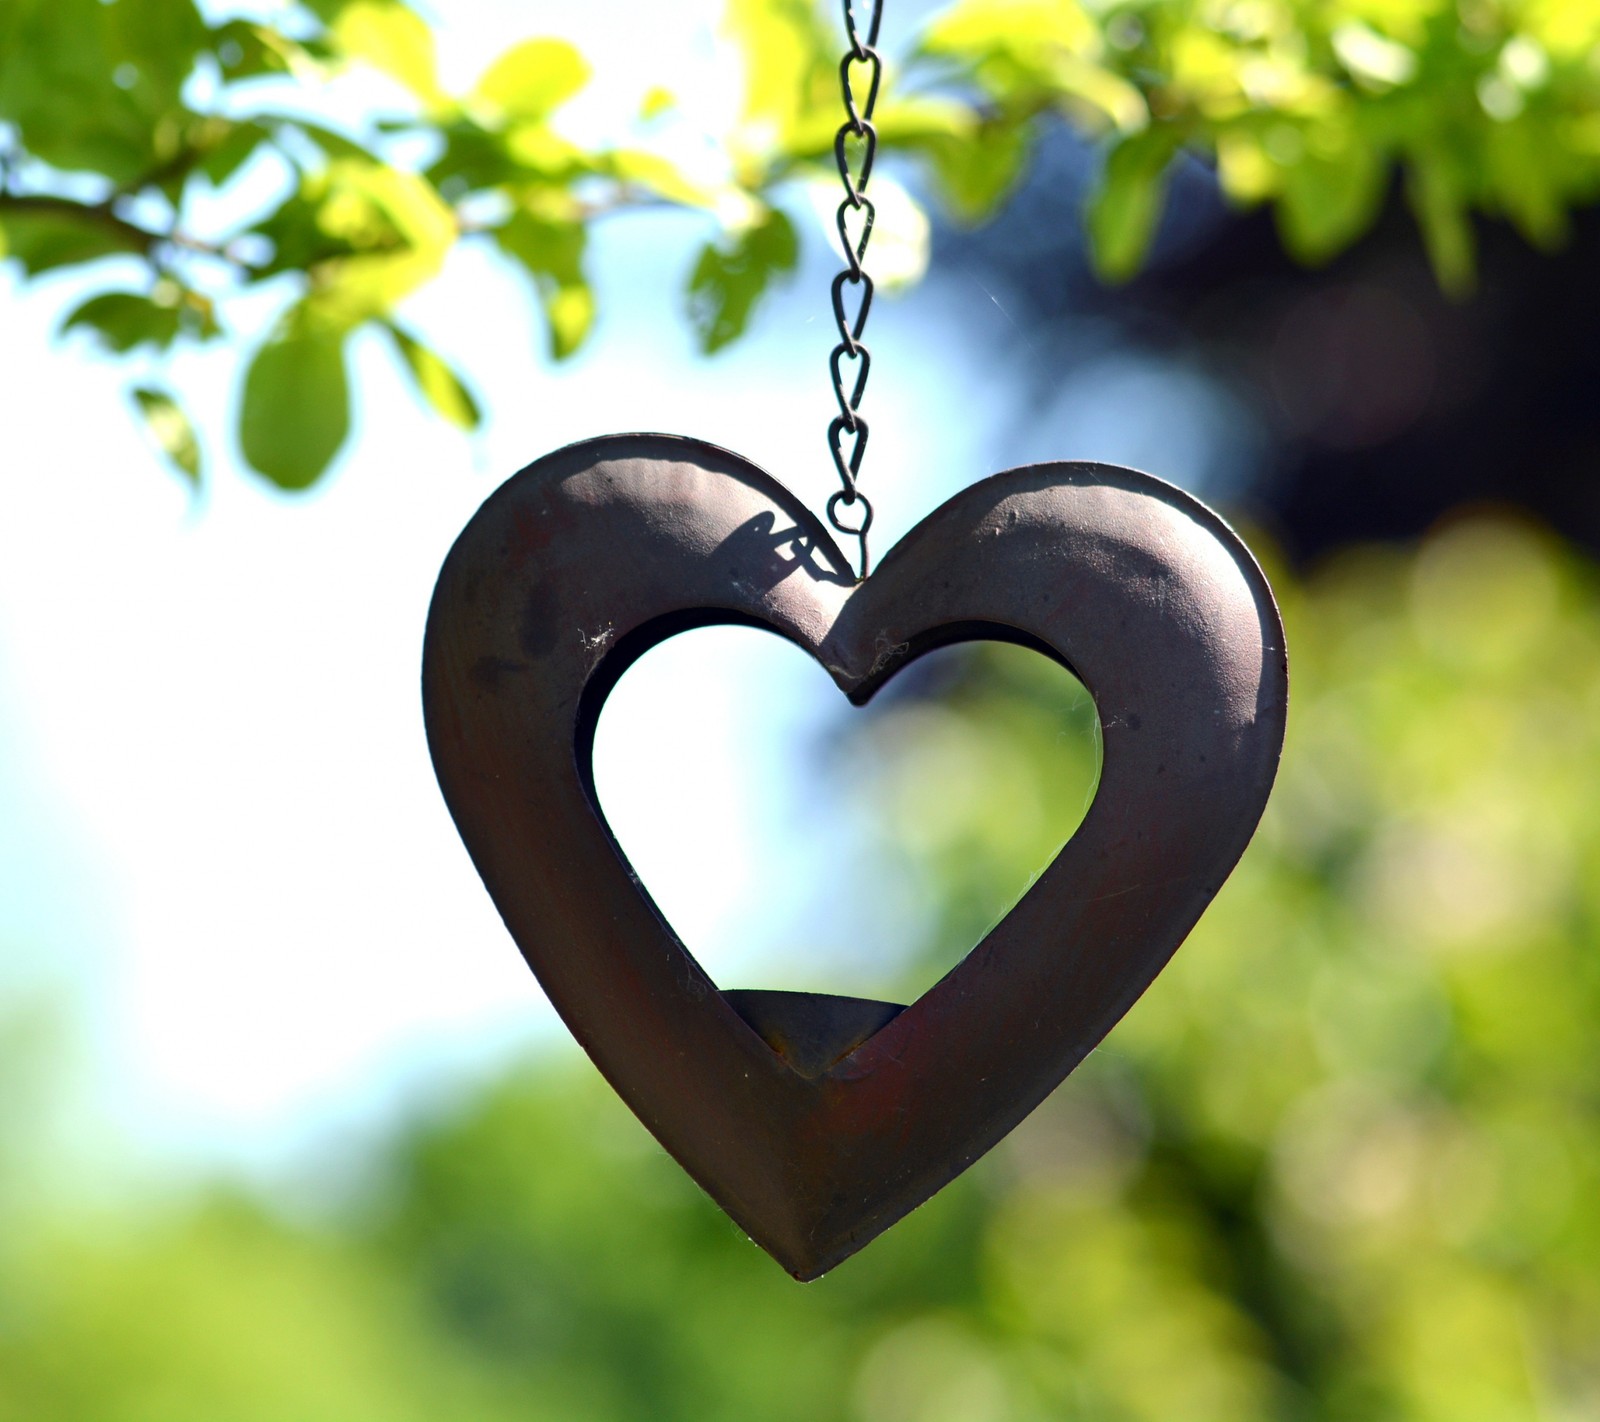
(815, 1121)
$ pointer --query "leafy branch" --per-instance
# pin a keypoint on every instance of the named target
(1310, 106)
(101, 215)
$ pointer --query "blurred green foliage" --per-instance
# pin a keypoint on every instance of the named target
(137, 129)
(1341, 1161)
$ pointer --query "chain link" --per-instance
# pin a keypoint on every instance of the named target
(856, 207)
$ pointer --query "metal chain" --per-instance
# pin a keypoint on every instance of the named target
(862, 54)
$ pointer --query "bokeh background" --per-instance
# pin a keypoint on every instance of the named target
(286, 1129)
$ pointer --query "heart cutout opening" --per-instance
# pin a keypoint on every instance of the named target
(788, 844)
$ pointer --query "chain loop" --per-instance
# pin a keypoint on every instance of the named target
(858, 49)
(856, 425)
(855, 251)
(859, 128)
(850, 330)
(843, 496)
(856, 119)
(853, 186)
(848, 403)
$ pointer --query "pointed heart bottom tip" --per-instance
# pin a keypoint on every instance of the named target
(811, 1032)
(806, 1249)
(806, 1260)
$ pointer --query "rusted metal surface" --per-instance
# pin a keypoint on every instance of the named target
(817, 1122)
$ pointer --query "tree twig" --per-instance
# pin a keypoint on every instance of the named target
(134, 237)
(131, 235)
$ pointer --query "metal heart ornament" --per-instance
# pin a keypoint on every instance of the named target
(814, 1121)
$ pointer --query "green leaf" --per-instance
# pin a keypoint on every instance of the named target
(249, 51)
(328, 11)
(395, 41)
(1525, 170)
(1441, 212)
(403, 239)
(552, 253)
(1328, 198)
(369, 235)
(636, 168)
(1028, 55)
(436, 382)
(540, 152)
(656, 102)
(96, 87)
(229, 148)
(790, 63)
(335, 144)
(197, 315)
(296, 408)
(472, 159)
(569, 311)
(532, 79)
(1126, 206)
(160, 40)
(125, 320)
(729, 280)
(976, 171)
(1098, 96)
(1008, 25)
(57, 87)
(171, 429)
